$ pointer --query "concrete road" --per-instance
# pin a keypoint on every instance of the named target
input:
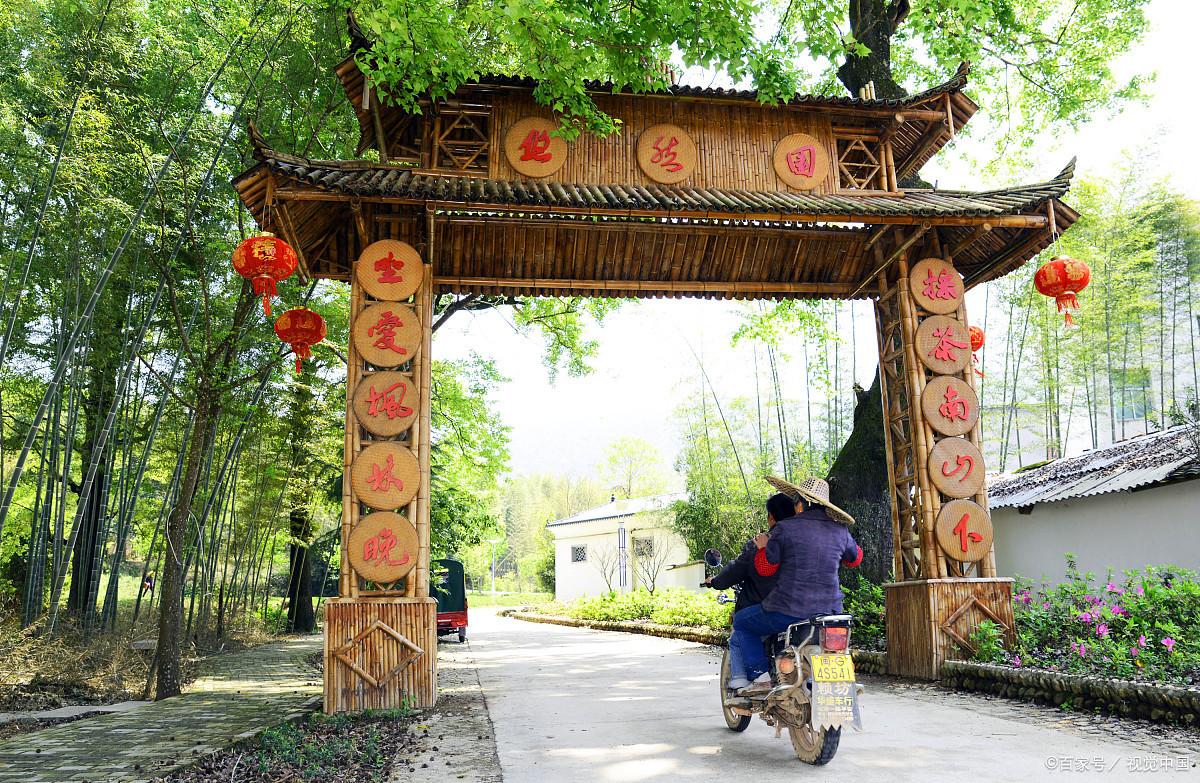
(576, 705)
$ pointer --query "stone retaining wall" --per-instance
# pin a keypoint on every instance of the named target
(1164, 703)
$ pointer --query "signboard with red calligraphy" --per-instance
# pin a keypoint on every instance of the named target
(387, 334)
(666, 154)
(950, 405)
(389, 270)
(532, 149)
(944, 344)
(964, 531)
(801, 161)
(385, 475)
(382, 547)
(956, 467)
(386, 403)
(936, 286)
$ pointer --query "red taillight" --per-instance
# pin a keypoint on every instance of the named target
(835, 638)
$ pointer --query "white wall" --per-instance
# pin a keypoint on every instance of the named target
(1118, 530)
(573, 580)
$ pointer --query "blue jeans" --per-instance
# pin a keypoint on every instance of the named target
(751, 625)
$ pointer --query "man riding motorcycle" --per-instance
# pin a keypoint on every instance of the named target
(803, 552)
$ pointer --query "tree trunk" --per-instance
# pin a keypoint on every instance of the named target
(858, 483)
(873, 22)
(170, 614)
(300, 616)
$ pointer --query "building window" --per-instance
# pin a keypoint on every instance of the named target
(579, 554)
(643, 547)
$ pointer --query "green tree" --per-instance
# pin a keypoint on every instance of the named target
(633, 468)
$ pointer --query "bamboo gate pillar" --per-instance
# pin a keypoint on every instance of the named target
(945, 567)
(380, 633)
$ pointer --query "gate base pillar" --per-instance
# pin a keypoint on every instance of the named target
(930, 621)
(380, 654)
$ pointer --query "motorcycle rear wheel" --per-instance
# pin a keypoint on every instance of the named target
(734, 721)
(815, 747)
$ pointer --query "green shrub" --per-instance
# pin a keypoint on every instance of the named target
(988, 638)
(669, 607)
(864, 600)
(1144, 625)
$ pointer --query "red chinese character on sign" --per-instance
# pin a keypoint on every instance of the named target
(960, 530)
(962, 459)
(940, 285)
(387, 402)
(378, 549)
(802, 161)
(381, 478)
(385, 333)
(944, 350)
(389, 268)
(664, 154)
(536, 146)
(954, 407)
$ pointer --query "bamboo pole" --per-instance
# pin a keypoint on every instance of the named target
(880, 334)
(425, 306)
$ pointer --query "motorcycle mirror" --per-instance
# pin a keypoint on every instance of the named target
(712, 557)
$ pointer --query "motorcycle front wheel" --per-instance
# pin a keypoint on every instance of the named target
(734, 721)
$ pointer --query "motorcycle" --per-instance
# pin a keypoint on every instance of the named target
(814, 692)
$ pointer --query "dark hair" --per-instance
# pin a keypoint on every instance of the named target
(780, 506)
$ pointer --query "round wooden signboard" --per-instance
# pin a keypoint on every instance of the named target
(387, 334)
(532, 150)
(950, 405)
(944, 344)
(383, 547)
(936, 286)
(386, 403)
(964, 530)
(956, 467)
(385, 475)
(666, 153)
(801, 161)
(389, 270)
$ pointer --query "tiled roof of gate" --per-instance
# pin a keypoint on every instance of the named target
(372, 179)
(1137, 462)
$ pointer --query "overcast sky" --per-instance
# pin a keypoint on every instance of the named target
(646, 364)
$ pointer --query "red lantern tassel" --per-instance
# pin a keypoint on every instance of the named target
(265, 285)
(302, 352)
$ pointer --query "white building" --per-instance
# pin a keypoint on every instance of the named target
(1133, 504)
(621, 546)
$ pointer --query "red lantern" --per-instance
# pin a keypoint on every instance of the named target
(977, 339)
(1062, 278)
(264, 260)
(302, 329)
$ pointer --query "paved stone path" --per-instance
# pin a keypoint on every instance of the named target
(236, 696)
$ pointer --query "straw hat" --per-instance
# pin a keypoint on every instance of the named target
(812, 490)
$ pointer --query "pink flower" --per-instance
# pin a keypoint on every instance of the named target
(1142, 640)
(1169, 643)
(1045, 604)
(1102, 629)
(1118, 610)
(1134, 651)
(1110, 587)
(1086, 617)
(1016, 661)
(1081, 649)
(1139, 590)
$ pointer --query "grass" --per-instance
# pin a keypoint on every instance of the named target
(485, 598)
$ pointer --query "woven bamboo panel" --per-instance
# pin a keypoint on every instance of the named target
(956, 467)
(380, 653)
(943, 344)
(389, 270)
(666, 153)
(936, 286)
(926, 615)
(387, 334)
(385, 475)
(801, 161)
(386, 403)
(950, 405)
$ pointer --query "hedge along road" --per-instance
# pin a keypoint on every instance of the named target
(575, 704)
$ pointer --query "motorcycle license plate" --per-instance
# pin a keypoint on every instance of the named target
(832, 668)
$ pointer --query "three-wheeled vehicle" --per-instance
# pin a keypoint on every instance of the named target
(448, 584)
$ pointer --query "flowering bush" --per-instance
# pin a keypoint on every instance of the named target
(668, 607)
(1144, 625)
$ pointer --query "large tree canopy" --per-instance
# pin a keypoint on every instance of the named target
(1036, 61)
